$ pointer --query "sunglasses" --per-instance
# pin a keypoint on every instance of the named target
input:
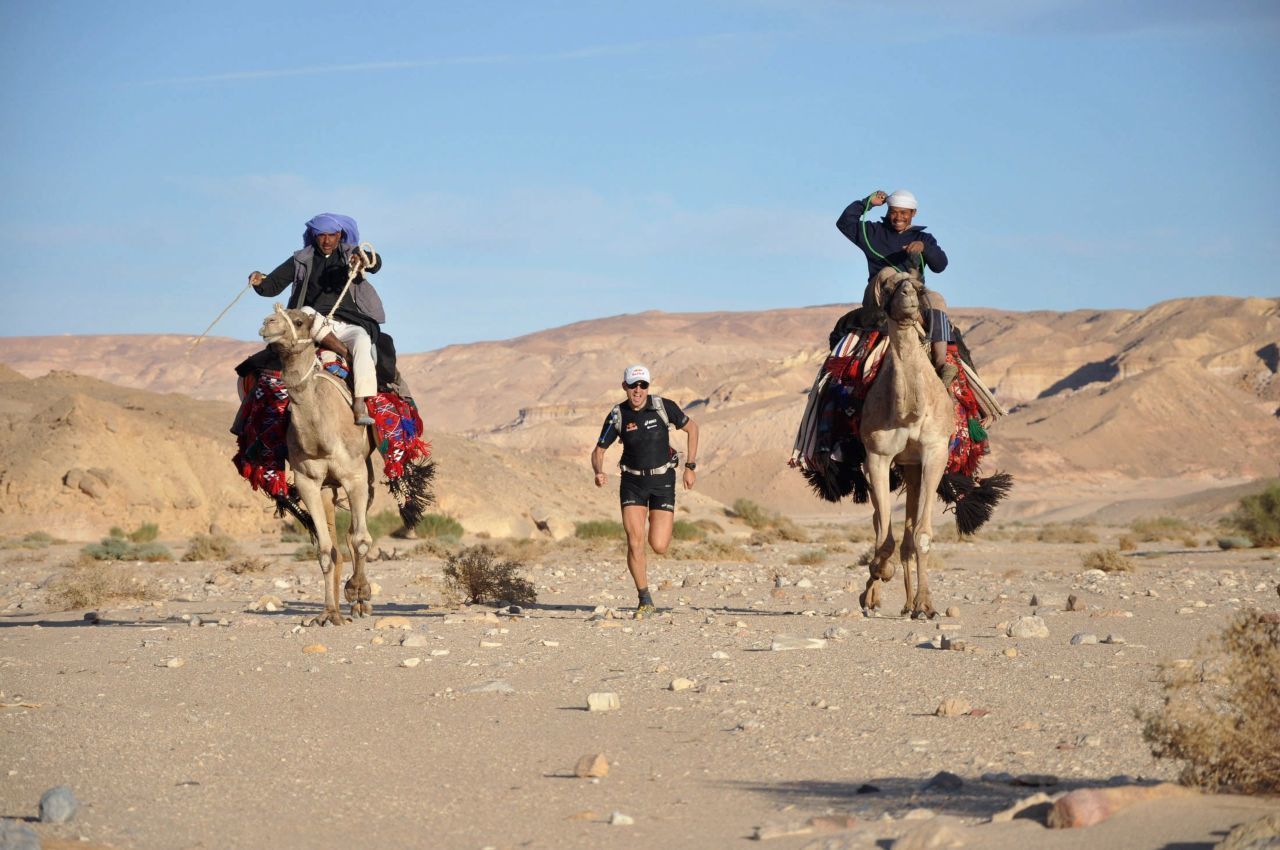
(644, 385)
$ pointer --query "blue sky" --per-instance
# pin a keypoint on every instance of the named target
(523, 165)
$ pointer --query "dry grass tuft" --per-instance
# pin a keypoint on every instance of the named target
(1150, 529)
(1221, 714)
(1126, 543)
(248, 565)
(91, 584)
(769, 527)
(119, 549)
(1107, 560)
(809, 557)
(710, 550)
(477, 575)
(211, 547)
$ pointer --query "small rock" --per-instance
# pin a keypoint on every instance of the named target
(592, 766)
(267, 603)
(603, 701)
(681, 684)
(17, 836)
(493, 686)
(1036, 780)
(1088, 806)
(515, 610)
(952, 707)
(410, 662)
(619, 819)
(439, 653)
(920, 814)
(315, 649)
(953, 612)
(58, 805)
(415, 639)
(785, 643)
(836, 633)
(1261, 834)
(1010, 652)
(1027, 627)
(805, 583)
(1114, 639)
(719, 656)
(1083, 638)
(393, 623)
(943, 781)
(175, 663)
(936, 834)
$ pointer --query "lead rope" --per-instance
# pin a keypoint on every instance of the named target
(198, 339)
(366, 259)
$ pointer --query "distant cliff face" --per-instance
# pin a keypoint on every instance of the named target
(1185, 391)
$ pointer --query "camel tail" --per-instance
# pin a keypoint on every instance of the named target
(975, 499)
(413, 491)
(289, 505)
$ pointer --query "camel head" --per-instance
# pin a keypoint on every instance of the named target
(287, 331)
(905, 296)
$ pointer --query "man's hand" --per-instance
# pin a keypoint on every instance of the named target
(915, 247)
(689, 477)
(357, 261)
(878, 197)
(256, 278)
(600, 476)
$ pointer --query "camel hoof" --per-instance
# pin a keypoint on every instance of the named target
(906, 609)
(330, 618)
(361, 609)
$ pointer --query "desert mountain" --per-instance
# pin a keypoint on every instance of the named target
(1106, 406)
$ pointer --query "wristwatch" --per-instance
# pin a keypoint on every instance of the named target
(690, 465)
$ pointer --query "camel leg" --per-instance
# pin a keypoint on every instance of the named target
(334, 577)
(881, 567)
(909, 552)
(931, 468)
(318, 506)
(358, 592)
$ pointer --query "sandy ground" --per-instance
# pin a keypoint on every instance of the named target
(254, 742)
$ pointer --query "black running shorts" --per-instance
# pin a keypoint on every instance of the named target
(655, 492)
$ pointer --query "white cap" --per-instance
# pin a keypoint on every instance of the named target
(902, 199)
(635, 373)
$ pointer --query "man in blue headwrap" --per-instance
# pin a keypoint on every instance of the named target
(318, 274)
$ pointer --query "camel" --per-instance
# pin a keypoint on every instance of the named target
(327, 450)
(907, 420)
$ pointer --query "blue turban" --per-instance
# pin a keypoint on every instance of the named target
(332, 223)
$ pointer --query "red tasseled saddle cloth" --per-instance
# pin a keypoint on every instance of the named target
(264, 420)
(854, 365)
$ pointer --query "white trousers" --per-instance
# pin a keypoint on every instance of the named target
(363, 368)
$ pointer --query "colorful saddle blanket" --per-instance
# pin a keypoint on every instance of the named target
(834, 413)
(264, 421)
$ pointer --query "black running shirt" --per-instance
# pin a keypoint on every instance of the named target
(644, 438)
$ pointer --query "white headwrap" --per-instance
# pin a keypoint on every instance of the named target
(902, 199)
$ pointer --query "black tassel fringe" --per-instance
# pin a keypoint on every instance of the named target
(290, 505)
(413, 491)
(975, 499)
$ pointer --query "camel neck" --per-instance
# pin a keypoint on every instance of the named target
(908, 359)
(298, 369)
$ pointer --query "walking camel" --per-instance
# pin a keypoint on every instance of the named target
(327, 450)
(907, 420)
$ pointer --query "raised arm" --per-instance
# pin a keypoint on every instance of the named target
(850, 220)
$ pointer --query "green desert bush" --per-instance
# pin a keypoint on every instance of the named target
(599, 529)
(211, 547)
(384, 524)
(685, 530)
(477, 575)
(31, 540)
(439, 526)
(1258, 517)
(120, 549)
(1107, 560)
(145, 533)
(90, 585)
(1220, 714)
(751, 513)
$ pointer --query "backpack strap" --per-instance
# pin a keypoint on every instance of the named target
(655, 403)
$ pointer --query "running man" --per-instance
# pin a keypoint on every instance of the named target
(647, 489)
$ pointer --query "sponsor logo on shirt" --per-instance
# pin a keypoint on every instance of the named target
(631, 426)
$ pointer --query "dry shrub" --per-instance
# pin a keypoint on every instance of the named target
(868, 555)
(89, 584)
(1071, 533)
(433, 547)
(211, 547)
(710, 550)
(478, 576)
(1107, 560)
(1127, 543)
(709, 526)
(751, 513)
(248, 565)
(769, 527)
(33, 540)
(1221, 714)
(1259, 517)
(809, 557)
(1160, 528)
(145, 533)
